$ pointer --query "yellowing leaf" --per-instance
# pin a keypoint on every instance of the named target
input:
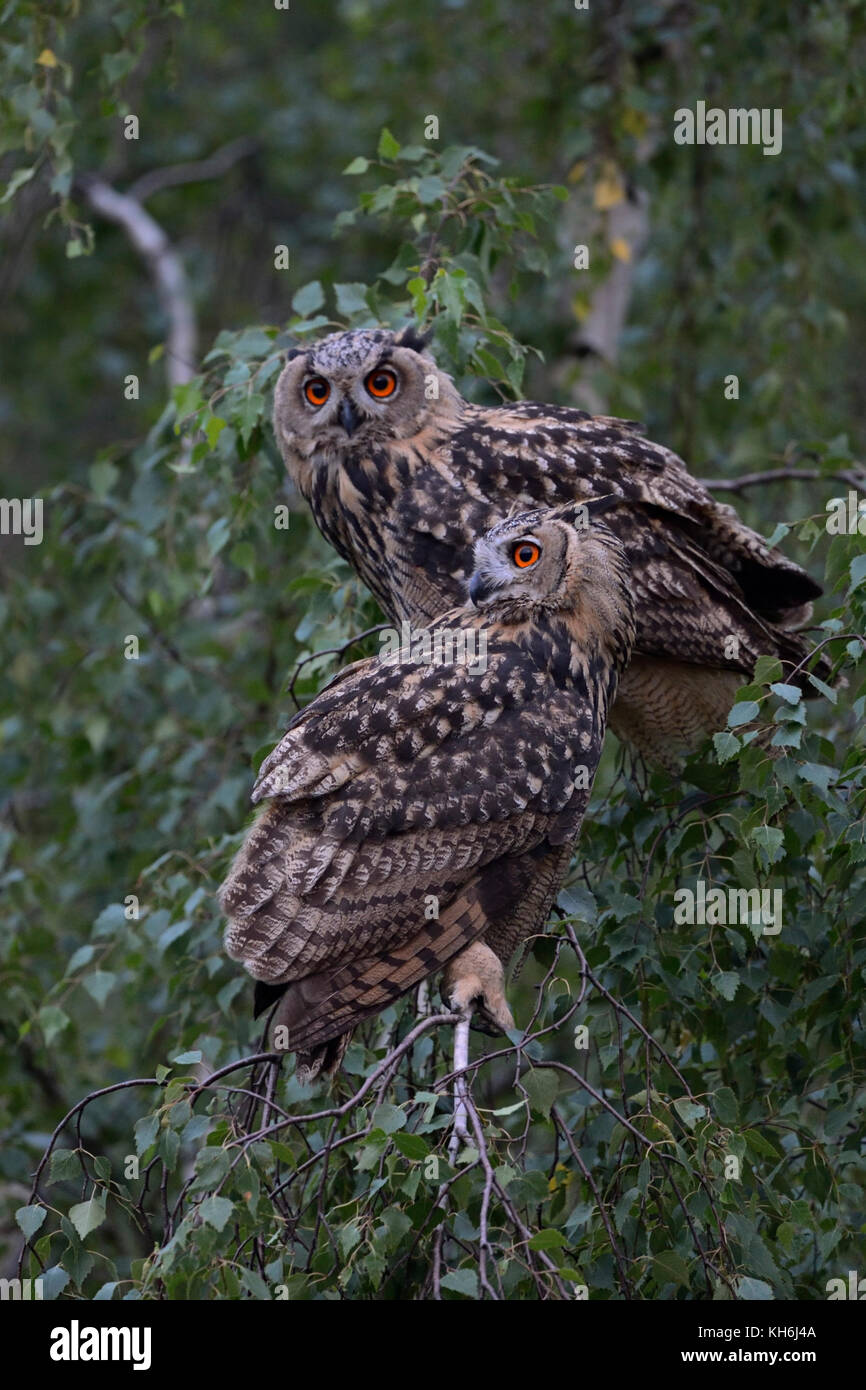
(634, 122)
(580, 307)
(620, 248)
(609, 189)
(577, 171)
(47, 59)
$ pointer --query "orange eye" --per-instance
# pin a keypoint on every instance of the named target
(525, 553)
(381, 383)
(317, 390)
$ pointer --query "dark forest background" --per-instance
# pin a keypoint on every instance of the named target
(144, 318)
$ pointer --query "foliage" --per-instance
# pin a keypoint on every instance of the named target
(599, 1166)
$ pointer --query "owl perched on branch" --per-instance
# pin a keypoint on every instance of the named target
(421, 816)
(402, 474)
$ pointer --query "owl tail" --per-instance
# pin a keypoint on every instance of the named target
(294, 1000)
(316, 1016)
(322, 1061)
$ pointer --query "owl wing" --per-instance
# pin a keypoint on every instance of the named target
(689, 606)
(701, 577)
(597, 455)
(411, 781)
(547, 450)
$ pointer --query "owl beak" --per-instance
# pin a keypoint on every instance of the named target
(348, 415)
(478, 591)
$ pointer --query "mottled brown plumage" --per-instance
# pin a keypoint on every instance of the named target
(402, 483)
(461, 781)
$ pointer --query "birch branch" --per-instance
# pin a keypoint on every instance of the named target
(164, 264)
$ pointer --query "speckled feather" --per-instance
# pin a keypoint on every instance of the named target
(404, 780)
(404, 497)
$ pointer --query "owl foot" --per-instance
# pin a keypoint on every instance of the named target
(473, 983)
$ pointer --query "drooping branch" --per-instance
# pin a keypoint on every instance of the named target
(164, 264)
(601, 330)
(193, 171)
(152, 242)
(781, 475)
(297, 1183)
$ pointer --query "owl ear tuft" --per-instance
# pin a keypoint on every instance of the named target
(413, 340)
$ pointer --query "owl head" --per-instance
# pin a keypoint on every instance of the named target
(355, 389)
(557, 559)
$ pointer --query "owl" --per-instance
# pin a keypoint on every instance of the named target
(420, 813)
(402, 474)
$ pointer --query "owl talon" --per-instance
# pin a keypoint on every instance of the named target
(473, 983)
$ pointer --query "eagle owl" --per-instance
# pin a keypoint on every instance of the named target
(423, 815)
(402, 474)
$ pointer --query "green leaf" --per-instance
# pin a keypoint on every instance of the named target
(351, 299)
(30, 1219)
(349, 1237)
(779, 533)
(548, 1239)
(726, 983)
(542, 1088)
(54, 1281)
(86, 1216)
(670, 1267)
(770, 840)
(250, 414)
(65, 1165)
(767, 669)
(464, 1281)
(388, 147)
(760, 1145)
(754, 1289)
(308, 299)
(213, 429)
(411, 1146)
(145, 1131)
(99, 985)
(211, 1166)
(20, 177)
(431, 189)
(577, 901)
(818, 775)
(743, 713)
(218, 535)
(389, 1118)
(359, 165)
(255, 1284)
(216, 1211)
(826, 690)
(858, 572)
(727, 745)
(689, 1111)
(791, 693)
(188, 398)
(52, 1020)
(725, 1105)
(102, 477)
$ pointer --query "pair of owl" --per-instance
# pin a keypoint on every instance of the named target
(403, 785)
